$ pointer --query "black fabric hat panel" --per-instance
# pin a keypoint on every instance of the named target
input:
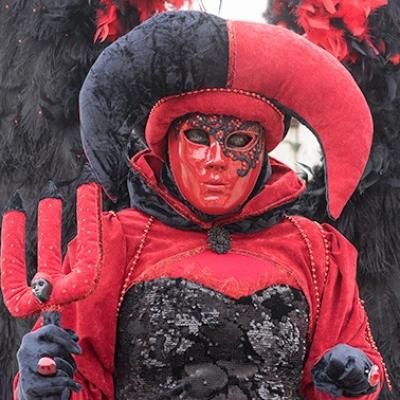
(169, 54)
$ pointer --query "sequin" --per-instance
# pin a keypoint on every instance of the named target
(180, 340)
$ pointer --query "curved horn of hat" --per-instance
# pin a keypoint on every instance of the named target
(313, 86)
(185, 52)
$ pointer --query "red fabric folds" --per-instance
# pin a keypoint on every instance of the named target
(277, 255)
(319, 19)
(314, 86)
(283, 186)
(342, 317)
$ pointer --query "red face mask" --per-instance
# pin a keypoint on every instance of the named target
(215, 160)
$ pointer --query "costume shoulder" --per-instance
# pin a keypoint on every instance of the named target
(334, 255)
(366, 38)
(322, 242)
(337, 314)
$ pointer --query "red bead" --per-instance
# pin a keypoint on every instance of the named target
(374, 376)
(134, 262)
(46, 366)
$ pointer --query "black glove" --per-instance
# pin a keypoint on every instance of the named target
(48, 341)
(343, 371)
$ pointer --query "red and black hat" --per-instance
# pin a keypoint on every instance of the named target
(182, 62)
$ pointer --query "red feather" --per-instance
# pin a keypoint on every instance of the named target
(109, 26)
(319, 20)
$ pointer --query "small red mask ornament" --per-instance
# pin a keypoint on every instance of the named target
(215, 160)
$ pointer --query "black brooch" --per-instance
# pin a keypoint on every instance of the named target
(219, 239)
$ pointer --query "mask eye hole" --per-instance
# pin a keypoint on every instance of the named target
(240, 140)
(197, 136)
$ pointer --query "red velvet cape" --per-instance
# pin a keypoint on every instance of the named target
(297, 252)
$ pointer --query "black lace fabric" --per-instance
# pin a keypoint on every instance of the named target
(180, 340)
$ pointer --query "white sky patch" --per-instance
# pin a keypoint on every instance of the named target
(244, 10)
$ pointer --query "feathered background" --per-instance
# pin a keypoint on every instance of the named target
(46, 50)
(365, 36)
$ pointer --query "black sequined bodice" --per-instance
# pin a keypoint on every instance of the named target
(180, 340)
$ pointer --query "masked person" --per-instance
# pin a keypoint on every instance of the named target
(208, 289)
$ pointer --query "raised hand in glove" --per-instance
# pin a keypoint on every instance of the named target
(345, 371)
(56, 343)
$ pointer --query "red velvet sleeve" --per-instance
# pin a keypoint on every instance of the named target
(89, 391)
(342, 318)
(94, 319)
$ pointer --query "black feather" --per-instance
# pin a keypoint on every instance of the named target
(14, 204)
(46, 50)
(370, 220)
(50, 191)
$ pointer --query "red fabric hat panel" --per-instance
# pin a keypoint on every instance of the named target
(238, 103)
(313, 85)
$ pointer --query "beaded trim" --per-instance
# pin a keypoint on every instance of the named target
(134, 261)
(312, 266)
(368, 333)
(216, 90)
(327, 252)
(100, 245)
(232, 54)
(370, 339)
(52, 308)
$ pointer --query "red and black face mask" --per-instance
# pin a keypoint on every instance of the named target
(215, 160)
